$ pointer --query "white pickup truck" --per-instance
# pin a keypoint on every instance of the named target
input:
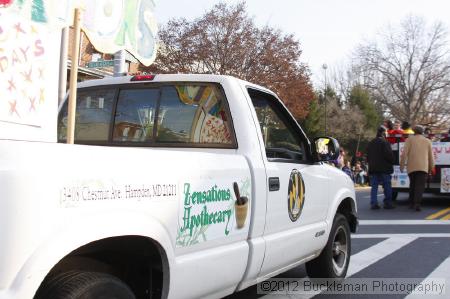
(178, 186)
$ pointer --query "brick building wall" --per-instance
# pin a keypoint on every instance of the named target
(86, 55)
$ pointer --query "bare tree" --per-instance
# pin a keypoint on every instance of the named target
(348, 123)
(226, 41)
(408, 70)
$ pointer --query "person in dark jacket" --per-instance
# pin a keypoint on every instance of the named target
(381, 159)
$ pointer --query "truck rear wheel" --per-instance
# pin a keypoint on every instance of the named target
(335, 257)
(84, 285)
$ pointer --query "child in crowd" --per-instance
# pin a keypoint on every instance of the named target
(348, 170)
(359, 174)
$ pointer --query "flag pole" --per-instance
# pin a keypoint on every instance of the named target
(73, 78)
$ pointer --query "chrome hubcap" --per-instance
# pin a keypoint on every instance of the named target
(339, 251)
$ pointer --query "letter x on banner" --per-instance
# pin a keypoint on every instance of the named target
(30, 32)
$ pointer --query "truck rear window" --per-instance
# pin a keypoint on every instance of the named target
(93, 115)
(194, 114)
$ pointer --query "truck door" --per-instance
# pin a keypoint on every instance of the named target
(297, 198)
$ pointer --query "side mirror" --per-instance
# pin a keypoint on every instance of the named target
(326, 149)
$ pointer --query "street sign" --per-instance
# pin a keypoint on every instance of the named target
(100, 63)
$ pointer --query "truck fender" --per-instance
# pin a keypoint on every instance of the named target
(340, 196)
(80, 233)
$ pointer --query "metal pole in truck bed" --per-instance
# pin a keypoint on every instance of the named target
(73, 78)
(63, 65)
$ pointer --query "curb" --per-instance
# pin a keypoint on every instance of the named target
(362, 187)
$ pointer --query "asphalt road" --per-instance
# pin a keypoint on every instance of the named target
(393, 250)
(431, 204)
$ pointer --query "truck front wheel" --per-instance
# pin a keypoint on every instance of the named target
(84, 285)
(334, 259)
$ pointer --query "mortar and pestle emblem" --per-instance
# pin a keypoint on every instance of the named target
(241, 207)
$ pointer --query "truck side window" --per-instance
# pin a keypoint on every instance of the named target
(135, 115)
(194, 114)
(93, 116)
(280, 140)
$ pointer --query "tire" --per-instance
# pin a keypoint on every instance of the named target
(84, 285)
(335, 257)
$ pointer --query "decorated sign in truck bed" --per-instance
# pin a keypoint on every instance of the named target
(438, 180)
(178, 186)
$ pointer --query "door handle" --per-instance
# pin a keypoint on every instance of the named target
(274, 184)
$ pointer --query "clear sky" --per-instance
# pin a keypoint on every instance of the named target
(328, 30)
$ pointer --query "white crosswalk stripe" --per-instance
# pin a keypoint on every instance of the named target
(358, 262)
(375, 253)
(441, 272)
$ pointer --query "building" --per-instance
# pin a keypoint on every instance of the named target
(87, 68)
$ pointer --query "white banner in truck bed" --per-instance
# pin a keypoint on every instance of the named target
(399, 179)
(445, 180)
(441, 152)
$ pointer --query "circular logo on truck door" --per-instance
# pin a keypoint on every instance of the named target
(296, 195)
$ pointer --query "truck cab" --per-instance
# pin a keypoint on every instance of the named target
(179, 186)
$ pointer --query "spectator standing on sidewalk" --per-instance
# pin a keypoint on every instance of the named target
(365, 168)
(340, 159)
(348, 170)
(359, 174)
(381, 159)
(418, 157)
